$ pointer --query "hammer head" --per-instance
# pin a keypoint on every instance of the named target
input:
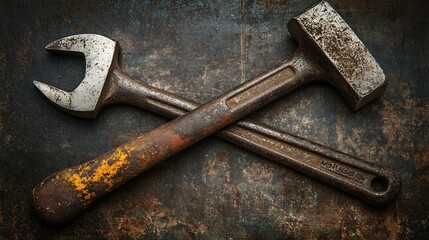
(351, 67)
(100, 53)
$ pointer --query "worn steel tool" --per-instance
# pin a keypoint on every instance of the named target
(321, 33)
(367, 181)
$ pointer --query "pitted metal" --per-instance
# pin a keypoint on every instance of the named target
(99, 53)
(77, 185)
(346, 56)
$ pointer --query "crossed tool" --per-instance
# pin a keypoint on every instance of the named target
(328, 50)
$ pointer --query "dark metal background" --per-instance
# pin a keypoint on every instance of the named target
(200, 49)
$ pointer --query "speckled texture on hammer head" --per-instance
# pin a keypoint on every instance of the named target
(344, 50)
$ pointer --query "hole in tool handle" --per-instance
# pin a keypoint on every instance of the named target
(379, 184)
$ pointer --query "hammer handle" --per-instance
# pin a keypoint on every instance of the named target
(66, 194)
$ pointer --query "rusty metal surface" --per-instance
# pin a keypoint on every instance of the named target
(62, 196)
(213, 190)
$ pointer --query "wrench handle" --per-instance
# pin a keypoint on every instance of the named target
(365, 180)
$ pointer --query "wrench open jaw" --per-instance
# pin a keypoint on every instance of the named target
(99, 53)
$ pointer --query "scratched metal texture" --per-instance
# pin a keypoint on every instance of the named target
(213, 190)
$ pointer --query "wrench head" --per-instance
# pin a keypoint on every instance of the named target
(100, 54)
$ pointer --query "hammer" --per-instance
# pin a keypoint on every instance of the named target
(321, 33)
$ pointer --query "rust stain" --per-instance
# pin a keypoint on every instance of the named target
(216, 166)
(176, 140)
(106, 173)
(393, 224)
(156, 220)
(108, 169)
(226, 119)
(77, 182)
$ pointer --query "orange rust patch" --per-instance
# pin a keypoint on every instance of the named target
(77, 181)
(106, 171)
(79, 184)
(176, 141)
(84, 176)
(226, 119)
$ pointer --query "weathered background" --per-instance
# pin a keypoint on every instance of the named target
(214, 190)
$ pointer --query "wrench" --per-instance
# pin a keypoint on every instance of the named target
(372, 183)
